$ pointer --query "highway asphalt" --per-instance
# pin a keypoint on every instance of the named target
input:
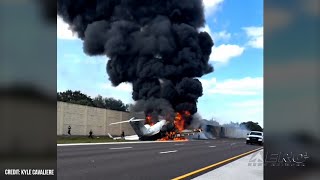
(145, 161)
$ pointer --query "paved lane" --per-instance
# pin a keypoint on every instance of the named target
(144, 161)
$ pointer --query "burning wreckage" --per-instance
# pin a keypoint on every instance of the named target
(156, 46)
(162, 130)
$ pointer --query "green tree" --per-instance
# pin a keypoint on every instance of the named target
(76, 97)
(232, 124)
(113, 104)
(251, 126)
(99, 102)
(59, 98)
(65, 96)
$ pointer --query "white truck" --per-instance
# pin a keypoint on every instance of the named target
(255, 137)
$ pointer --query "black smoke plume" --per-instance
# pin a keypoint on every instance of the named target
(153, 44)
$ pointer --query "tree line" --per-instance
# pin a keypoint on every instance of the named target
(251, 126)
(77, 97)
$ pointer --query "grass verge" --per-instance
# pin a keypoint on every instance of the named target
(85, 139)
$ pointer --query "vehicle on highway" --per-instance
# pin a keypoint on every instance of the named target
(255, 137)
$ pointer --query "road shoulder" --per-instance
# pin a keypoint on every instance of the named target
(247, 167)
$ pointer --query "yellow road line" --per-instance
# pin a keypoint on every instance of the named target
(214, 165)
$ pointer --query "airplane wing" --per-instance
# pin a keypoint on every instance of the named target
(128, 138)
(132, 138)
(130, 120)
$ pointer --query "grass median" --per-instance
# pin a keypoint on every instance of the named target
(85, 139)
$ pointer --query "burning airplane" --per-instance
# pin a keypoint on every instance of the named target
(144, 130)
(156, 46)
(148, 130)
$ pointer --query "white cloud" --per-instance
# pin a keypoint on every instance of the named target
(243, 114)
(63, 31)
(72, 57)
(122, 91)
(77, 59)
(221, 36)
(245, 86)
(248, 104)
(255, 35)
(208, 83)
(124, 87)
(225, 52)
(236, 111)
(207, 29)
(211, 6)
(216, 36)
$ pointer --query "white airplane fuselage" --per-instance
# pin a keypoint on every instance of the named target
(144, 131)
(148, 130)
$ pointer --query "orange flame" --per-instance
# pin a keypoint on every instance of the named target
(187, 113)
(179, 123)
(149, 120)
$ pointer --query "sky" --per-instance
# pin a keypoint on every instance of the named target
(232, 93)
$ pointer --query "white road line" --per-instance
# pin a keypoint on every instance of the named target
(212, 146)
(178, 144)
(165, 152)
(121, 148)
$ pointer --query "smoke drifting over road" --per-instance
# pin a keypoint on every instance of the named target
(153, 44)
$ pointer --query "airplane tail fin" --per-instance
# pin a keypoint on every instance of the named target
(138, 127)
(136, 124)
